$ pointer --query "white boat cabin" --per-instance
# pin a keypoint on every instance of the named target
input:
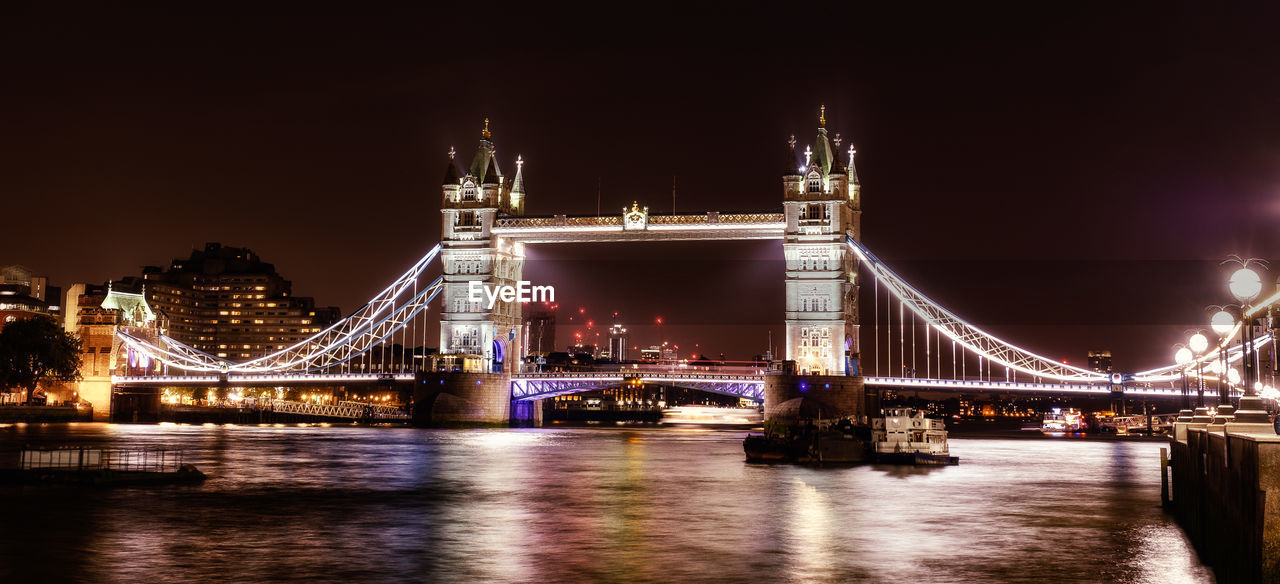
(907, 430)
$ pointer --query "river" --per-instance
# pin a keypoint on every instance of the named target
(355, 504)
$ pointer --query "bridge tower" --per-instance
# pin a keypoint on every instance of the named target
(823, 206)
(487, 338)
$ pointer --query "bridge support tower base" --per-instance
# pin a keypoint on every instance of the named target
(452, 398)
(842, 394)
(526, 413)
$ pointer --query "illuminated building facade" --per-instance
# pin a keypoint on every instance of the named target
(94, 313)
(470, 252)
(822, 203)
(618, 338)
(227, 302)
(25, 295)
(1100, 361)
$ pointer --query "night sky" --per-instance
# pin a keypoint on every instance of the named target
(1069, 178)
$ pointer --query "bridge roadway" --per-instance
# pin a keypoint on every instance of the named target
(744, 382)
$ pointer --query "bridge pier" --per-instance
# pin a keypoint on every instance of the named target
(844, 395)
(526, 413)
(452, 398)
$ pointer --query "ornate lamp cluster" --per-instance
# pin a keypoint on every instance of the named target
(1245, 286)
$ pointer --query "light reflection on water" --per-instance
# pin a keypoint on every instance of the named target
(375, 504)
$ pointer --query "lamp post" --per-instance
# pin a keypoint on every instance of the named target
(1198, 343)
(1182, 356)
(1222, 323)
(1245, 286)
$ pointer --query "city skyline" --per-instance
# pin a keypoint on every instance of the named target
(1057, 152)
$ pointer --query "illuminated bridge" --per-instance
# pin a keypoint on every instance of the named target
(925, 346)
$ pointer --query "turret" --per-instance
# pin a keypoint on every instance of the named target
(452, 181)
(791, 172)
(836, 179)
(492, 183)
(516, 196)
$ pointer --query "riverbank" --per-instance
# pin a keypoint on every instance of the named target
(15, 414)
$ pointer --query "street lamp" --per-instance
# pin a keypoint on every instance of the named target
(1223, 323)
(1198, 344)
(1245, 285)
(1182, 356)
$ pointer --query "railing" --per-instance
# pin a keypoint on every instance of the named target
(752, 218)
(128, 460)
(380, 411)
(612, 220)
(324, 410)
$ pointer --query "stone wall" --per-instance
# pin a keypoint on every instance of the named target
(441, 399)
(847, 395)
(1226, 496)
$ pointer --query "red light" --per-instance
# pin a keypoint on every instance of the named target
(659, 320)
(591, 323)
(582, 311)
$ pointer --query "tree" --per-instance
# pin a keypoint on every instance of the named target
(35, 351)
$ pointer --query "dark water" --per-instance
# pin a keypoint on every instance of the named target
(407, 505)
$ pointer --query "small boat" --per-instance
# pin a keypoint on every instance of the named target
(905, 436)
(712, 416)
(1058, 421)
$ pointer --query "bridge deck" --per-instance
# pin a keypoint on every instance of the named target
(706, 226)
(744, 382)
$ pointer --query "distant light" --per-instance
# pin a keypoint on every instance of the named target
(1198, 343)
(1182, 356)
(1233, 376)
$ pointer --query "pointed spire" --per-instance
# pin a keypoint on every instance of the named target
(451, 171)
(822, 146)
(517, 184)
(491, 176)
(853, 170)
(485, 134)
(837, 167)
(791, 168)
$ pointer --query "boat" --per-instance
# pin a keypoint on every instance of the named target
(900, 436)
(906, 436)
(1058, 421)
(712, 416)
(838, 441)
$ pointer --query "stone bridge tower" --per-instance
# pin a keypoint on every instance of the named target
(823, 206)
(487, 339)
